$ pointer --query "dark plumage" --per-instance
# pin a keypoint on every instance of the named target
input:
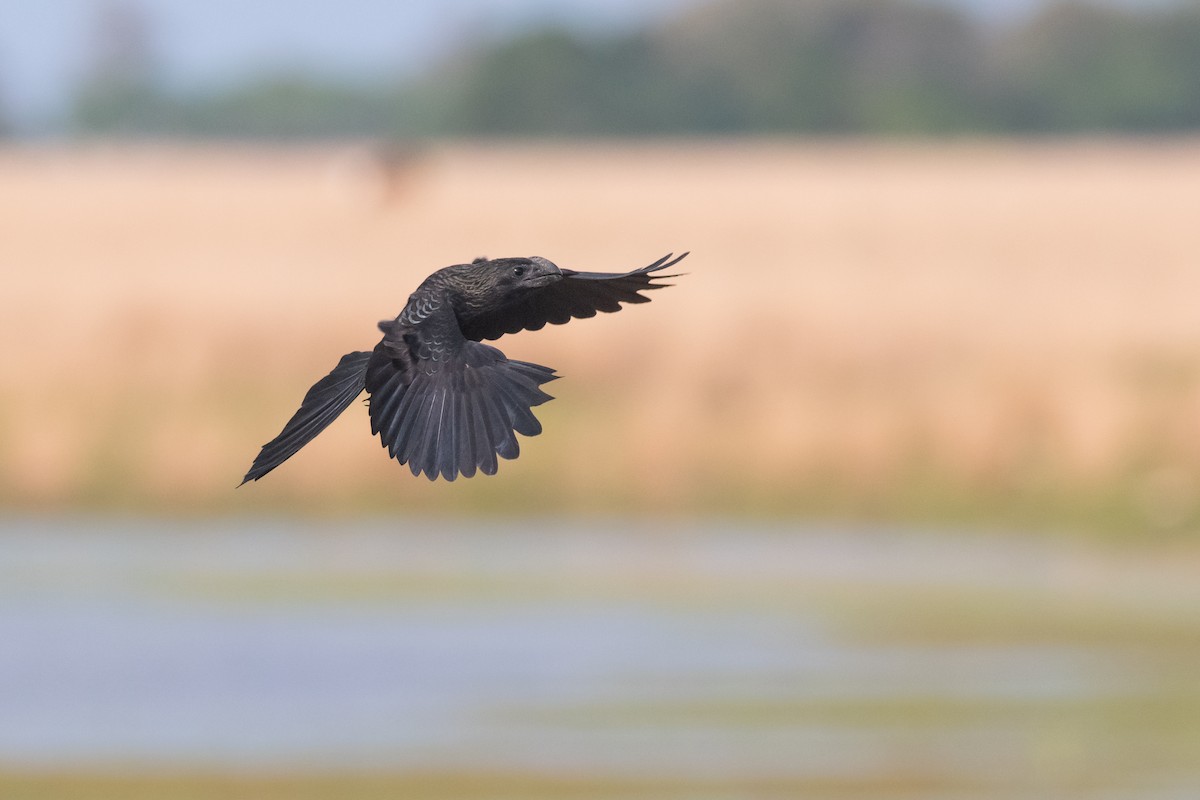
(440, 400)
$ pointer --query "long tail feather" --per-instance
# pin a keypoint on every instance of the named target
(457, 419)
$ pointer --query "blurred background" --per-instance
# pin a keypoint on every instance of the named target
(894, 494)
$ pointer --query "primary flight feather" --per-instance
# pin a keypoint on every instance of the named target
(440, 400)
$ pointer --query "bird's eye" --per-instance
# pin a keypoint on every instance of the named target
(518, 271)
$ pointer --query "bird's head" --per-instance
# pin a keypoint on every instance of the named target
(490, 284)
(518, 275)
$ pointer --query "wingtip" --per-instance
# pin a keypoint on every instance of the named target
(669, 260)
(672, 259)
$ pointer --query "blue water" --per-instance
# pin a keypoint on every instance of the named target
(254, 644)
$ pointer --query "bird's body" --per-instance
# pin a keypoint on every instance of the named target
(441, 400)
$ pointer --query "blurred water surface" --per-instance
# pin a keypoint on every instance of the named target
(965, 665)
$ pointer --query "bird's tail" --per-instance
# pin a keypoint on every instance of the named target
(458, 415)
(328, 398)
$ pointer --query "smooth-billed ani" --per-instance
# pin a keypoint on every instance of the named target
(440, 400)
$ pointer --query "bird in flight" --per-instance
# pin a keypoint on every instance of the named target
(440, 400)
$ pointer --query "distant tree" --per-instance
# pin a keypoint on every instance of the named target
(826, 66)
(119, 92)
(734, 66)
(6, 128)
(547, 82)
(1077, 66)
(915, 69)
(291, 107)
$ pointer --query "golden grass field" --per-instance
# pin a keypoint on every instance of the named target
(987, 331)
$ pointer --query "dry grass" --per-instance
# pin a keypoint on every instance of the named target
(974, 329)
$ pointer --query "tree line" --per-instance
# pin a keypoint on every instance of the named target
(773, 67)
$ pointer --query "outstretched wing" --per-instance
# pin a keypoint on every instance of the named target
(321, 405)
(577, 296)
(448, 407)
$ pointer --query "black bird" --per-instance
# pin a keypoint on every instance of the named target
(440, 400)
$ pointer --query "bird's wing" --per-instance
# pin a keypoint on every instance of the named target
(450, 408)
(577, 296)
(321, 405)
